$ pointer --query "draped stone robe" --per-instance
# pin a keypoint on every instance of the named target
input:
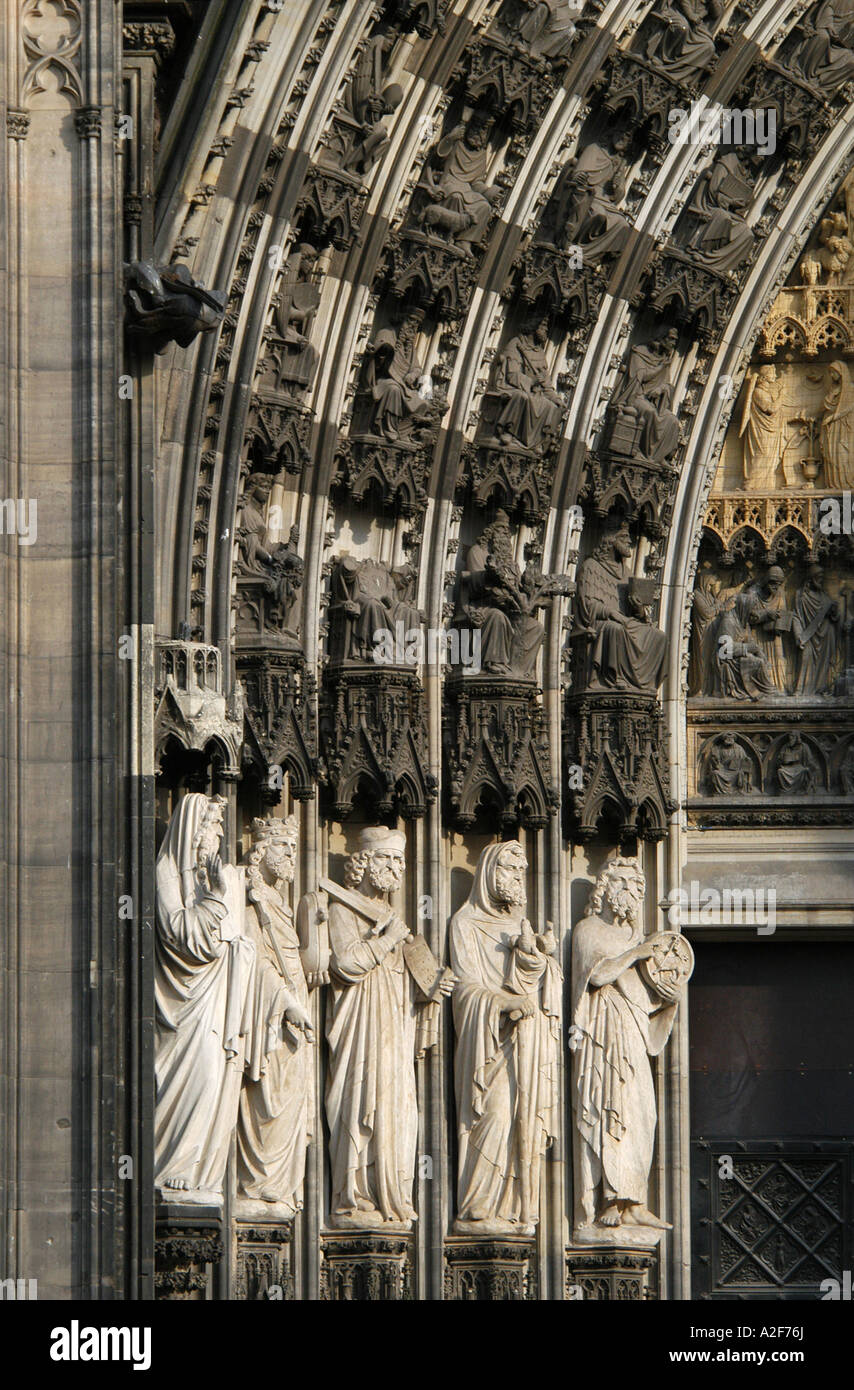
(276, 1118)
(621, 1025)
(370, 1097)
(506, 1073)
(630, 656)
(204, 977)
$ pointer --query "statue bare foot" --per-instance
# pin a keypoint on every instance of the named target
(177, 1184)
(639, 1215)
(611, 1216)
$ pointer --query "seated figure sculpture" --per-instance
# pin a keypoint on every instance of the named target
(372, 599)
(628, 652)
(502, 602)
(530, 407)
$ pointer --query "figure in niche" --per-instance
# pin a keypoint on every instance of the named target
(723, 241)
(279, 567)
(372, 598)
(628, 652)
(166, 305)
(817, 634)
(374, 1028)
(368, 102)
(585, 210)
(730, 768)
(763, 429)
(797, 769)
(837, 428)
(645, 424)
(686, 48)
(204, 970)
(828, 262)
(296, 359)
(506, 1056)
(707, 606)
(401, 407)
(501, 602)
(771, 620)
(846, 771)
(531, 408)
(621, 1019)
(826, 58)
(548, 30)
(461, 200)
(737, 667)
(276, 1118)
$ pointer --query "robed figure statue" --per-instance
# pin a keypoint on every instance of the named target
(621, 1016)
(203, 978)
(506, 1060)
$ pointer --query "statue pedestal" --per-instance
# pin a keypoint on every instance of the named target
(264, 1266)
(623, 1272)
(367, 1267)
(490, 1269)
(188, 1250)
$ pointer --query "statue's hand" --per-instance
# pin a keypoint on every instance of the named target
(298, 1018)
(396, 930)
(671, 993)
(645, 949)
(447, 984)
(216, 873)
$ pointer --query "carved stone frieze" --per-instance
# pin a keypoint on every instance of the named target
(789, 765)
(263, 1262)
(186, 1256)
(490, 1270)
(519, 479)
(620, 1276)
(426, 271)
(810, 319)
(616, 766)
(278, 433)
(192, 708)
(330, 207)
(397, 474)
(508, 81)
(366, 1269)
(497, 752)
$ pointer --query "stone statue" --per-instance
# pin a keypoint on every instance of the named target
(548, 30)
(276, 1116)
(763, 430)
(846, 771)
(737, 665)
(585, 209)
(373, 1034)
(817, 634)
(624, 1005)
(204, 970)
(837, 428)
(166, 305)
(826, 57)
(506, 1059)
(796, 767)
(401, 407)
(531, 409)
(298, 301)
(461, 201)
(502, 602)
(766, 613)
(723, 241)
(368, 101)
(370, 599)
(830, 262)
(279, 569)
(686, 48)
(628, 652)
(730, 769)
(707, 607)
(642, 401)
